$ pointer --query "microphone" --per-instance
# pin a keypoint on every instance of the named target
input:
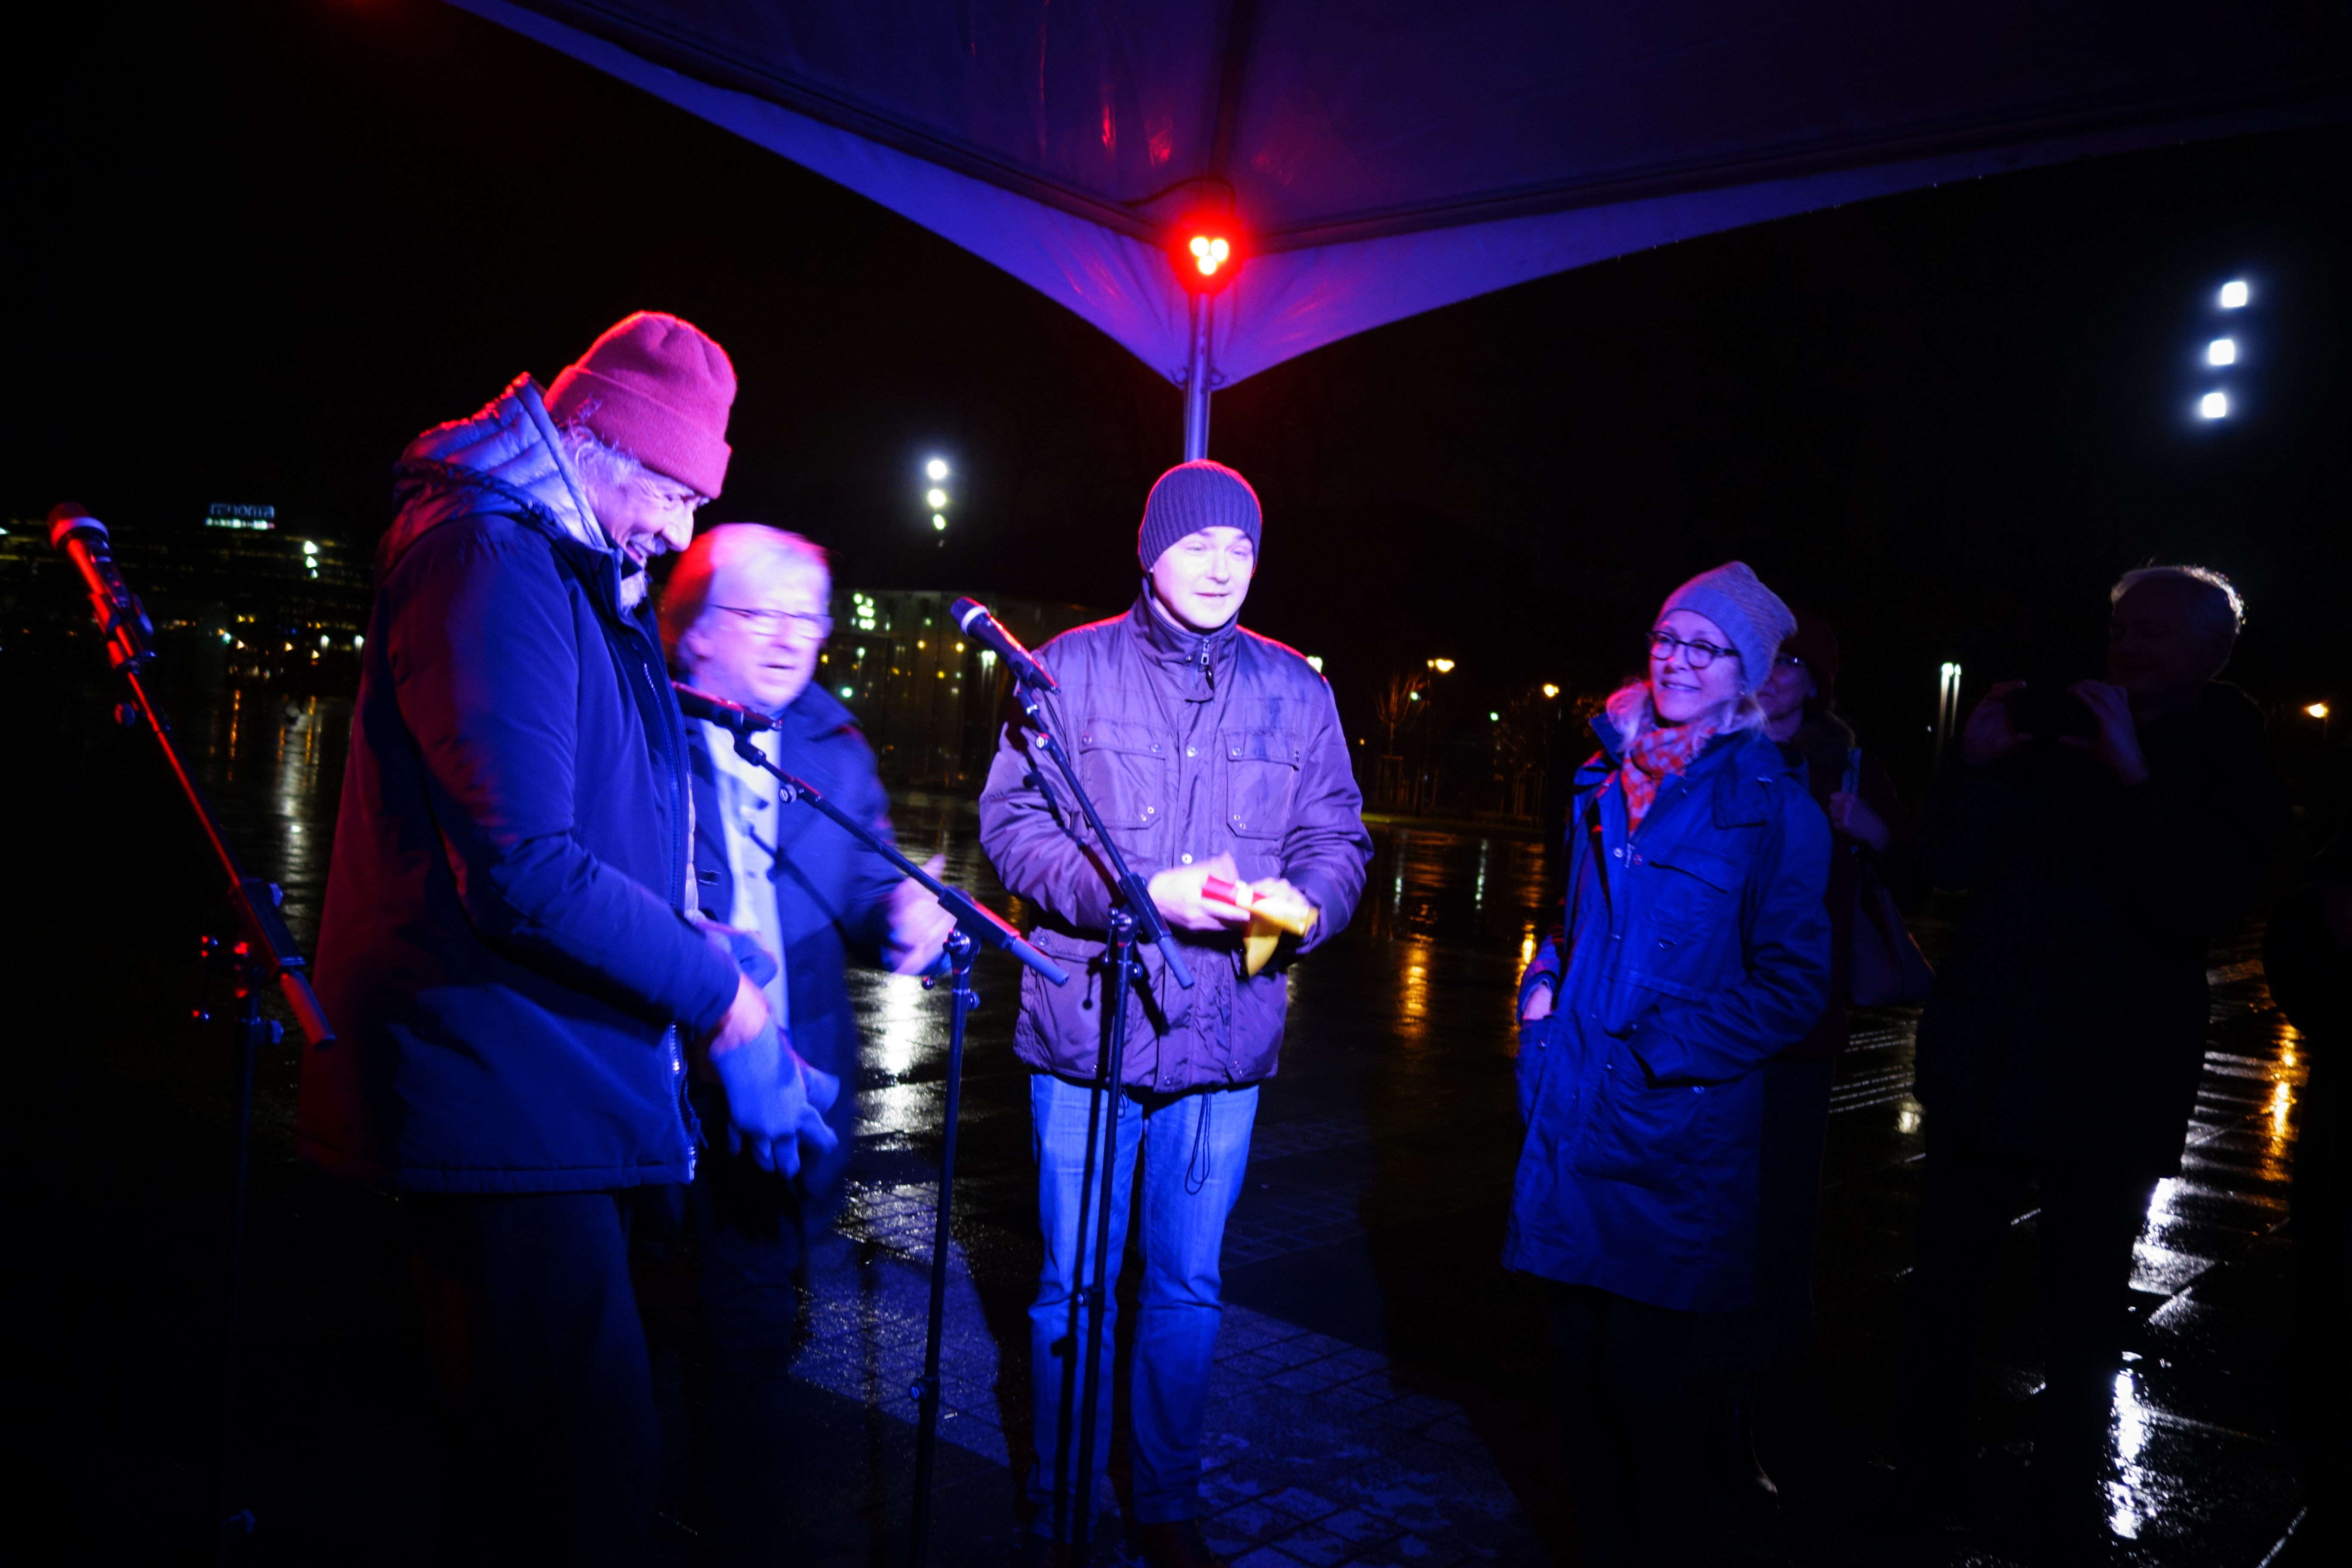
(719, 711)
(82, 539)
(972, 620)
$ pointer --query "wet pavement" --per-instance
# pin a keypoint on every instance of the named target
(1380, 1395)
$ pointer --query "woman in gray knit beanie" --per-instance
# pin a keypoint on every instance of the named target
(1694, 948)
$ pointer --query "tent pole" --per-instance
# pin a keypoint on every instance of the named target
(1196, 382)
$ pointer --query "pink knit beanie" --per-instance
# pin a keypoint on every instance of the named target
(658, 389)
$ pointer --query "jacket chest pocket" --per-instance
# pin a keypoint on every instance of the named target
(1126, 767)
(1261, 781)
(1693, 894)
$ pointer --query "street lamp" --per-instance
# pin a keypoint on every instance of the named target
(1549, 689)
(935, 498)
(2319, 711)
(1442, 666)
(1948, 706)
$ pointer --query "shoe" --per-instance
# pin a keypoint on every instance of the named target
(1177, 1543)
(1737, 1471)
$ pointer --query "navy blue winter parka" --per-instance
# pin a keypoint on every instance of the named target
(1695, 949)
(832, 902)
(504, 949)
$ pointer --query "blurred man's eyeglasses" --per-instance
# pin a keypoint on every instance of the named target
(784, 623)
(1663, 644)
(1789, 661)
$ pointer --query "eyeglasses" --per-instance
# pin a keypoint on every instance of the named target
(775, 623)
(1663, 644)
(1789, 661)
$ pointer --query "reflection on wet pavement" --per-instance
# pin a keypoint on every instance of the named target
(1380, 1393)
(1378, 1175)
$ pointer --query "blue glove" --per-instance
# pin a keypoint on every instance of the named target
(773, 1101)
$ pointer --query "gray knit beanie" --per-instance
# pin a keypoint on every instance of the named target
(1750, 614)
(1191, 497)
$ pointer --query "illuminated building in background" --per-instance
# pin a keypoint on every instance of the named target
(929, 699)
(238, 593)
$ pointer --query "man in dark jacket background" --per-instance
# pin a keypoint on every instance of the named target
(1210, 750)
(744, 618)
(2067, 1032)
(505, 944)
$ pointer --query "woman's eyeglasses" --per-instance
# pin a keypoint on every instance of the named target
(788, 623)
(1663, 644)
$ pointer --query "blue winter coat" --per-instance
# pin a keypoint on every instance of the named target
(1695, 949)
(504, 950)
(832, 900)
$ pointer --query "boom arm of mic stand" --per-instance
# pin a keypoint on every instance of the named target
(972, 918)
(1150, 924)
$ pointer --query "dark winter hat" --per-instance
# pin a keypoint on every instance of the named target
(1750, 614)
(658, 389)
(1191, 497)
(1813, 642)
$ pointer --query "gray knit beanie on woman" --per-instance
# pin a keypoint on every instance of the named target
(1191, 497)
(1750, 614)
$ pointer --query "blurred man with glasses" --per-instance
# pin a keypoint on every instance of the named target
(744, 618)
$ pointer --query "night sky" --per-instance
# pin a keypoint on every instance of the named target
(260, 243)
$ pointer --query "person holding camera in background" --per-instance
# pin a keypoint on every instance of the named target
(2109, 833)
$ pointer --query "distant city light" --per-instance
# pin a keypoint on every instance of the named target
(936, 499)
(1549, 689)
(845, 691)
(1413, 696)
(1442, 666)
(936, 469)
(2233, 295)
(938, 522)
(2221, 350)
(2317, 710)
(2214, 405)
(310, 547)
(1315, 662)
(1493, 718)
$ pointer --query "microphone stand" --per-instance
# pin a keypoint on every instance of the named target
(975, 924)
(266, 954)
(1134, 917)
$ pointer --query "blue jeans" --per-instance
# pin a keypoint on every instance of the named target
(1195, 1148)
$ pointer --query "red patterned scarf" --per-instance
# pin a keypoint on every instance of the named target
(1658, 753)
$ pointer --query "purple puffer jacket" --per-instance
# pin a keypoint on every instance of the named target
(1191, 746)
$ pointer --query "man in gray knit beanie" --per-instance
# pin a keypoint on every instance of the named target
(1192, 497)
(1216, 759)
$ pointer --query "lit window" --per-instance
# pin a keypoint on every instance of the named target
(2214, 405)
(2221, 350)
(2233, 295)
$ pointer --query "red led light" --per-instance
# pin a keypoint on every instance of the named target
(1206, 250)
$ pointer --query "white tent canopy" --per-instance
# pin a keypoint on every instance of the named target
(1382, 159)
